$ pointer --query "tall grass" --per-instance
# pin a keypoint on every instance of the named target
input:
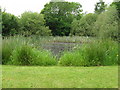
(8, 45)
(27, 55)
(67, 39)
(101, 52)
(20, 50)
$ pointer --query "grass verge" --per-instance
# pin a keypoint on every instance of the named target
(59, 77)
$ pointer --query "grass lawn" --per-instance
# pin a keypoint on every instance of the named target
(59, 77)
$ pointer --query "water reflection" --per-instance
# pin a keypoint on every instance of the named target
(58, 47)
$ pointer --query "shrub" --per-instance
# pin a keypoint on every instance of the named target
(10, 24)
(75, 58)
(27, 55)
(97, 53)
(8, 45)
(84, 26)
(111, 54)
(107, 24)
(94, 54)
(33, 23)
(6, 52)
(102, 52)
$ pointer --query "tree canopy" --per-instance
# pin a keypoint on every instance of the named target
(84, 26)
(106, 25)
(116, 3)
(59, 16)
(10, 24)
(33, 23)
(100, 7)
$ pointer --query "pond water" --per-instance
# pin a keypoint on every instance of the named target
(58, 47)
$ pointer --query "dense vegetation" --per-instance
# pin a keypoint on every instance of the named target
(23, 36)
(25, 51)
(59, 16)
(64, 19)
(61, 47)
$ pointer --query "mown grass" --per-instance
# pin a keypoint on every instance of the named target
(59, 77)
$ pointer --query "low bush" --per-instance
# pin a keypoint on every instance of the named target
(111, 52)
(8, 45)
(75, 58)
(102, 52)
(27, 55)
(97, 53)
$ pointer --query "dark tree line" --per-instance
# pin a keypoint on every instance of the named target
(59, 16)
(62, 18)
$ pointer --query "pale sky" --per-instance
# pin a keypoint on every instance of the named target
(17, 7)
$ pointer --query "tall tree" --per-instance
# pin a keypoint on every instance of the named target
(84, 26)
(33, 23)
(116, 3)
(107, 24)
(0, 21)
(59, 16)
(100, 7)
(10, 24)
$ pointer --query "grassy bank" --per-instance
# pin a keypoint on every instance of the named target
(59, 77)
(21, 50)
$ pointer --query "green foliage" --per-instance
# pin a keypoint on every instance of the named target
(111, 54)
(0, 21)
(59, 16)
(8, 45)
(116, 4)
(20, 50)
(100, 7)
(33, 24)
(27, 55)
(75, 58)
(97, 53)
(24, 51)
(59, 77)
(107, 24)
(103, 52)
(84, 26)
(10, 24)
(45, 58)
(23, 55)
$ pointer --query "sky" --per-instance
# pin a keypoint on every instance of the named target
(17, 7)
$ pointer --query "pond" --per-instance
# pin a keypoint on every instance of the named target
(58, 47)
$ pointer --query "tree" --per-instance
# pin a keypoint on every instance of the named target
(33, 23)
(10, 24)
(106, 25)
(83, 27)
(59, 16)
(116, 4)
(0, 22)
(100, 7)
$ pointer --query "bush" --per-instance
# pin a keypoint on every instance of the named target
(111, 54)
(94, 54)
(8, 45)
(107, 24)
(75, 58)
(84, 26)
(10, 25)
(27, 55)
(97, 53)
(33, 23)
